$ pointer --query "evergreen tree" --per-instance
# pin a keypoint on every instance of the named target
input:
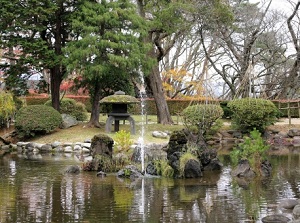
(109, 44)
(39, 30)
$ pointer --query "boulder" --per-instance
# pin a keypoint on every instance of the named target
(159, 134)
(73, 169)
(293, 132)
(130, 171)
(192, 169)
(243, 170)
(288, 203)
(296, 212)
(68, 121)
(102, 144)
(275, 218)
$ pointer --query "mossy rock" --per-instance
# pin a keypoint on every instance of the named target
(102, 144)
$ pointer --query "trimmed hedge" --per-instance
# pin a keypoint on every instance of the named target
(36, 119)
(250, 113)
(176, 106)
(201, 116)
(71, 107)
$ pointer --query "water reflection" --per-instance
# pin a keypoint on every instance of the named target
(38, 190)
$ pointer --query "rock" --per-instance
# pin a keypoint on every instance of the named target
(151, 169)
(101, 174)
(73, 169)
(85, 150)
(293, 132)
(68, 149)
(77, 148)
(86, 145)
(214, 164)
(192, 169)
(55, 144)
(46, 148)
(207, 155)
(296, 211)
(160, 134)
(130, 171)
(102, 144)
(68, 121)
(296, 141)
(288, 203)
(266, 168)
(243, 170)
(276, 218)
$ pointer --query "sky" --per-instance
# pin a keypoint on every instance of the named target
(282, 5)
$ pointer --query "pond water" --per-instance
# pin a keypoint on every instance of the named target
(36, 189)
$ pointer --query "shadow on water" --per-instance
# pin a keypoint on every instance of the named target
(38, 190)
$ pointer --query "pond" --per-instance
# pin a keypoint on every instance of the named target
(36, 189)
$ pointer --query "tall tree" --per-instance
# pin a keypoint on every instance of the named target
(40, 29)
(109, 44)
(291, 84)
(166, 20)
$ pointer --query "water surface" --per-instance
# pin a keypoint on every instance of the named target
(36, 189)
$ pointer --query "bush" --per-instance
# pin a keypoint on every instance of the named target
(37, 119)
(122, 141)
(201, 116)
(7, 107)
(253, 149)
(250, 113)
(71, 107)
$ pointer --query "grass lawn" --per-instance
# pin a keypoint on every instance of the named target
(80, 132)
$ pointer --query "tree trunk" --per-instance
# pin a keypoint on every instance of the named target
(163, 114)
(55, 81)
(95, 98)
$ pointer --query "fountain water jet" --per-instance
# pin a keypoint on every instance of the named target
(141, 142)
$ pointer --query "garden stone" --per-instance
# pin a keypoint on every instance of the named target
(102, 145)
(288, 203)
(22, 143)
(101, 174)
(46, 148)
(68, 121)
(294, 132)
(296, 211)
(159, 134)
(151, 169)
(86, 145)
(85, 150)
(19, 149)
(77, 148)
(296, 141)
(55, 144)
(192, 169)
(214, 164)
(73, 169)
(276, 218)
(207, 155)
(129, 171)
(87, 141)
(68, 149)
(58, 149)
(243, 169)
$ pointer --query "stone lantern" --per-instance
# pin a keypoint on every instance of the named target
(119, 102)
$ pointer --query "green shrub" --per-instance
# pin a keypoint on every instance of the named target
(201, 116)
(122, 141)
(253, 148)
(163, 168)
(71, 107)
(250, 113)
(7, 107)
(226, 110)
(37, 119)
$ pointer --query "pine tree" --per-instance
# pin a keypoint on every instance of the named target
(109, 44)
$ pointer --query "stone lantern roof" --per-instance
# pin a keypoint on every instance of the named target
(119, 98)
